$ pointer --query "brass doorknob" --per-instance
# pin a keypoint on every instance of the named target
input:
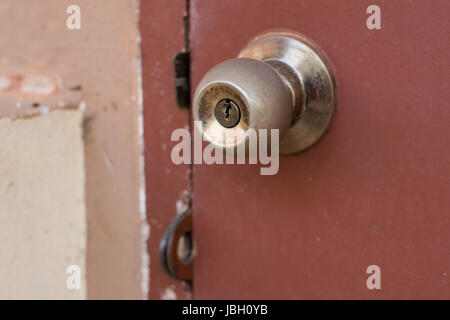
(279, 81)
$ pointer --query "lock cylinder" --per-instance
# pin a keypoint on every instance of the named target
(279, 81)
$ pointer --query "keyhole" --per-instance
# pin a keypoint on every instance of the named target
(227, 113)
(227, 109)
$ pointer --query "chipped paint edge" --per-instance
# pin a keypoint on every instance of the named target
(145, 229)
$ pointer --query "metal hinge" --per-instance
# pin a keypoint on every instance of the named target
(181, 63)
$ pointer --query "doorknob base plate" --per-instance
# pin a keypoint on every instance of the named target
(307, 72)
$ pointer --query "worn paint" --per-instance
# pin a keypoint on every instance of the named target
(162, 36)
(49, 65)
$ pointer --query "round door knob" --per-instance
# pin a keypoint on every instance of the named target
(279, 81)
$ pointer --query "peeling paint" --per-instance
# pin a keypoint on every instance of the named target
(38, 84)
(44, 110)
(5, 83)
(169, 294)
(145, 232)
(107, 161)
(29, 84)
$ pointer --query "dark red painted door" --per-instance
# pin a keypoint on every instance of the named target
(373, 192)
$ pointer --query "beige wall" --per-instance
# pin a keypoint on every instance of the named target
(44, 64)
(42, 206)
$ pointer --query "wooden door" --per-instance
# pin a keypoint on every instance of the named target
(374, 191)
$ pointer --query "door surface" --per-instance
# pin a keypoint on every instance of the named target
(374, 191)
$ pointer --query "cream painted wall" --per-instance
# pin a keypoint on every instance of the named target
(42, 206)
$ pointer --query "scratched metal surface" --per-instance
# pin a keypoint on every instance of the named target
(374, 191)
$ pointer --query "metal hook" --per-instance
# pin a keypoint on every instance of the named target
(178, 264)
